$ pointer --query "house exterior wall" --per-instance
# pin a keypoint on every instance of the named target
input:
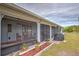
(5, 34)
(7, 10)
(17, 28)
(27, 30)
(25, 27)
(28, 34)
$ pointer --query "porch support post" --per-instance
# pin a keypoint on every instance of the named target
(50, 33)
(1, 16)
(61, 30)
(38, 32)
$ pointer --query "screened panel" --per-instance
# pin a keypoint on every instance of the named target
(29, 31)
(45, 32)
(53, 31)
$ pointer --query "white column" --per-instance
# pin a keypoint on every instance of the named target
(1, 16)
(0, 27)
(61, 30)
(38, 32)
(50, 33)
(0, 31)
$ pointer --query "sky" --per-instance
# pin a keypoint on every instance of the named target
(64, 14)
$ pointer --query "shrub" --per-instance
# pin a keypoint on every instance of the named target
(37, 45)
(24, 46)
(47, 40)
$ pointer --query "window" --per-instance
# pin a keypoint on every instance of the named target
(9, 27)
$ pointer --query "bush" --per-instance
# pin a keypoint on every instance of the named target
(24, 46)
(73, 28)
(47, 40)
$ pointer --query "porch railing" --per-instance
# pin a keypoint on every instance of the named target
(11, 43)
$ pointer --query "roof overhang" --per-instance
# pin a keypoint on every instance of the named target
(14, 6)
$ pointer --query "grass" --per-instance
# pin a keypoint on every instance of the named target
(70, 47)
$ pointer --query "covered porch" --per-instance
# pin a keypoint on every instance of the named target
(19, 26)
(15, 31)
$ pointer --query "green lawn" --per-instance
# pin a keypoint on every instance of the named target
(70, 47)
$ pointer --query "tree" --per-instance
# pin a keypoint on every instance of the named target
(74, 28)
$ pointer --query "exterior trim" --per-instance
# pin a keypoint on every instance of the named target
(38, 32)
